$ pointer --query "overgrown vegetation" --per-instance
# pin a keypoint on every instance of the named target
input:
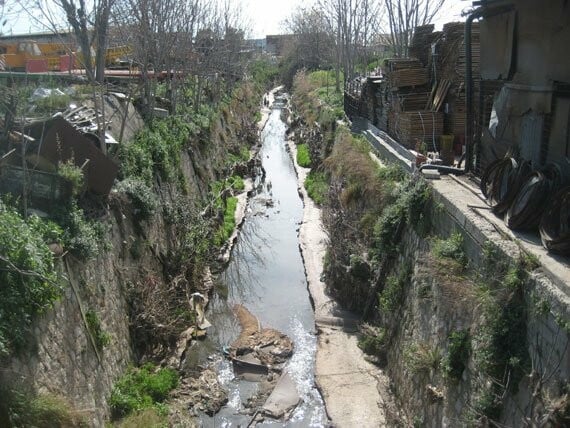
(450, 248)
(22, 409)
(316, 97)
(317, 186)
(30, 283)
(457, 354)
(53, 102)
(82, 237)
(391, 297)
(157, 149)
(100, 336)
(142, 388)
(303, 156)
(141, 195)
(408, 207)
(419, 358)
(229, 223)
(372, 340)
(73, 174)
(500, 342)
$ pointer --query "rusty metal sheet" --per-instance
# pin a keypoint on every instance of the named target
(60, 141)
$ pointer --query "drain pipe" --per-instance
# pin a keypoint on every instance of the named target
(483, 11)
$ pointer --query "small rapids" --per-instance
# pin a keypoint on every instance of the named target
(266, 275)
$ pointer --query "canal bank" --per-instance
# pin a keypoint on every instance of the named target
(355, 391)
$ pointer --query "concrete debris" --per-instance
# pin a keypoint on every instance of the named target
(258, 355)
(283, 398)
(268, 346)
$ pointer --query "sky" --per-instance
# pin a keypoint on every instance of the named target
(268, 15)
(265, 16)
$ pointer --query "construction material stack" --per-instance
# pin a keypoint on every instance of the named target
(423, 97)
(451, 64)
(405, 98)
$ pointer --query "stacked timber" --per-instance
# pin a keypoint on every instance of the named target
(416, 127)
(423, 97)
(409, 100)
(420, 47)
(405, 72)
(451, 67)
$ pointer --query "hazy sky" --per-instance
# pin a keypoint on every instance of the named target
(265, 16)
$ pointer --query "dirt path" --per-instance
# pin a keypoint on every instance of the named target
(354, 390)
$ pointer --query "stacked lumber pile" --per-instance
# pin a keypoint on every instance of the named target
(405, 72)
(451, 67)
(423, 97)
(409, 100)
(420, 47)
(422, 126)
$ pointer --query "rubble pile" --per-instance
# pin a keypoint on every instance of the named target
(264, 347)
(203, 394)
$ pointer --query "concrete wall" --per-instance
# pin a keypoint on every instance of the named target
(61, 359)
(438, 302)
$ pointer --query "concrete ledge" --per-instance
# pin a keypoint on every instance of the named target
(391, 151)
(472, 214)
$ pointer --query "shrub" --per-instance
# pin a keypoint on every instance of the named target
(84, 238)
(422, 358)
(303, 156)
(100, 336)
(157, 149)
(23, 409)
(502, 352)
(457, 354)
(227, 228)
(72, 173)
(30, 283)
(142, 388)
(450, 248)
(372, 341)
(317, 186)
(236, 182)
(393, 293)
(141, 195)
(52, 103)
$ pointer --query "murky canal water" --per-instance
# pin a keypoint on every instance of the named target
(266, 275)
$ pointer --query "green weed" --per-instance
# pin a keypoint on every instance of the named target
(457, 354)
(142, 388)
(303, 156)
(30, 283)
(317, 187)
(101, 337)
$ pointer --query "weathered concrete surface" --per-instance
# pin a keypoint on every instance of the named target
(283, 398)
(353, 389)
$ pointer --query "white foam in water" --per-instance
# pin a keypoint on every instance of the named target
(301, 369)
(226, 377)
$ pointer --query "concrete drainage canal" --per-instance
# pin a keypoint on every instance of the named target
(262, 342)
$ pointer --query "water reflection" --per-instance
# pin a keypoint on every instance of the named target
(266, 275)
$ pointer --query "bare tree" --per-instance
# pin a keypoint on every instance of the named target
(313, 44)
(354, 24)
(89, 21)
(404, 16)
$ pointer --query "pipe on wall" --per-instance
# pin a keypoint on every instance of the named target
(486, 10)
